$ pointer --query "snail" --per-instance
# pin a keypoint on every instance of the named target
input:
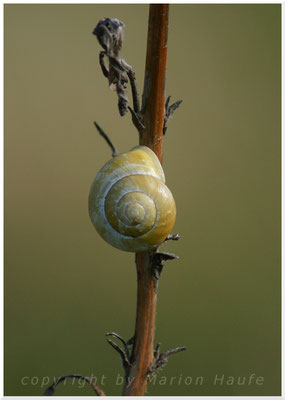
(129, 204)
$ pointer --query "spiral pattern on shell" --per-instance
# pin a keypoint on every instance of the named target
(129, 204)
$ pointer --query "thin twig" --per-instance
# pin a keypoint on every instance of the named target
(126, 364)
(132, 77)
(102, 64)
(137, 121)
(170, 352)
(126, 344)
(175, 236)
(162, 359)
(156, 352)
(157, 260)
(108, 140)
(50, 390)
(169, 111)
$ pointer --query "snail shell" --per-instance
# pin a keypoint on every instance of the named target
(129, 204)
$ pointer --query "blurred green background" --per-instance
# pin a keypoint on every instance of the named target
(64, 286)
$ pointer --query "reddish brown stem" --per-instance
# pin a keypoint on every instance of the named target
(153, 118)
(154, 81)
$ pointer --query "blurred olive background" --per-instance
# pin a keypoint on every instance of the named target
(64, 286)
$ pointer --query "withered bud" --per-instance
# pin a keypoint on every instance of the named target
(109, 32)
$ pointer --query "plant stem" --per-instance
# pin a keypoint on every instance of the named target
(154, 81)
(152, 113)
